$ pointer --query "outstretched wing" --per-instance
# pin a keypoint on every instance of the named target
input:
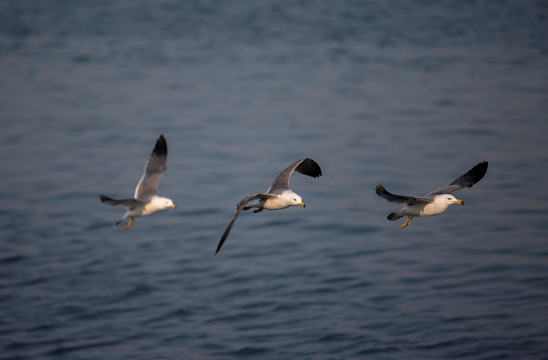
(304, 166)
(154, 168)
(409, 200)
(127, 203)
(465, 181)
(239, 208)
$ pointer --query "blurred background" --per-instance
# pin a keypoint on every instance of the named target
(407, 94)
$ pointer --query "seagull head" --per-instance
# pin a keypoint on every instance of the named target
(168, 203)
(296, 200)
(449, 199)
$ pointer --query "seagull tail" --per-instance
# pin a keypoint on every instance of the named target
(394, 216)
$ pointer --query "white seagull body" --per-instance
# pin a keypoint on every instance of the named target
(279, 195)
(145, 201)
(435, 202)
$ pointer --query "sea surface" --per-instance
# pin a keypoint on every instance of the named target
(407, 94)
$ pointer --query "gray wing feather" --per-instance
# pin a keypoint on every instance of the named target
(239, 208)
(409, 200)
(154, 168)
(304, 166)
(127, 203)
(467, 180)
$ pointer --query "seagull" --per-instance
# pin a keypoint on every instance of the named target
(145, 201)
(279, 195)
(435, 202)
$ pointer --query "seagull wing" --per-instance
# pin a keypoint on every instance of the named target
(154, 168)
(465, 181)
(239, 208)
(409, 200)
(127, 203)
(305, 166)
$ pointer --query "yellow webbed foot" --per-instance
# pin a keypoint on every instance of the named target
(409, 218)
(257, 211)
(129, 223)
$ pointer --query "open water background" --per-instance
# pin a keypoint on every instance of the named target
(408, 94)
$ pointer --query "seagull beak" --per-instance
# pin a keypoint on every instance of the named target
(302, 204)
(459, 202)
(174, 206)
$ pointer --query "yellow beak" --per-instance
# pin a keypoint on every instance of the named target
(174, 206)
(302, 204)
(459, 202)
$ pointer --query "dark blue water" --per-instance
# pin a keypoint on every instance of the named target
(408, 94)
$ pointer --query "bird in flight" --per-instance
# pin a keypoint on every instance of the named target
(145, 201)
(435, 202)
(279, 195)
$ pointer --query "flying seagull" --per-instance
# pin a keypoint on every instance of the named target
(145, 201)
(435, 202)
(279, 195)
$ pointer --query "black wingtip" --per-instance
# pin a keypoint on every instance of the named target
(219, 246)
(104, 198)
(309, 167)
(161, 146)
(379, 190)
(479, 171)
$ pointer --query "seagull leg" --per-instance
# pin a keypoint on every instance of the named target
(257, 211)
(409, 218)
(129, 223)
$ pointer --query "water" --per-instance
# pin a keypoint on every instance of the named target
(408, 94)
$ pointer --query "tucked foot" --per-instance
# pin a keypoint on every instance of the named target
(257, 211)
(129, 223)
(409, 218)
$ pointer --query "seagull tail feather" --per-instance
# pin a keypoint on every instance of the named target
(394, 216)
